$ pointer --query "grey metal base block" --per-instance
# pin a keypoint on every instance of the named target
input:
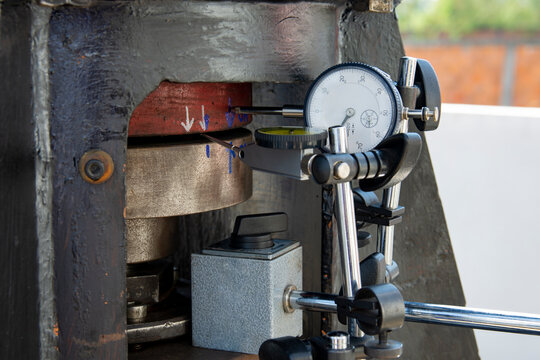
(237, 302)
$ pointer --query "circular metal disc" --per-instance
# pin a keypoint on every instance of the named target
(188, 177)
(161, 329)
(291, 137)
(391, 349)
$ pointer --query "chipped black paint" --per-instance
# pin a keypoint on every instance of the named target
(89, 110)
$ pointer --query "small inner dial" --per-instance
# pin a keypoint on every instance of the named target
(369, 118)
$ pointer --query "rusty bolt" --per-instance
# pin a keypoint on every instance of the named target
(96, 166)
(94, 169)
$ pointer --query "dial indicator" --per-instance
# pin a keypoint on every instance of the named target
(360, 97)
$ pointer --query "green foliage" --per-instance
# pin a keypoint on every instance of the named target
(455, 18)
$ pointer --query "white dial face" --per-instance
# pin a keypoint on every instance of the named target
(356, 97)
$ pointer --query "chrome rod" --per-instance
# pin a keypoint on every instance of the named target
(346, 226)
(407, 71)
(505, 321)
(495, 320)
(390, 196)
(385, 234)
(311, 301)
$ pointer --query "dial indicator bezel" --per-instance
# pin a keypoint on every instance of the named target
(382, 77)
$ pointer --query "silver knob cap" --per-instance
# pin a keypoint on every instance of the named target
(339, 340)
(342, 170)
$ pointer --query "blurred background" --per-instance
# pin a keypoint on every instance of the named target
(489, 50)
(486, 153)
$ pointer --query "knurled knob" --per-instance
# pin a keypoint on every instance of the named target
(291, 137)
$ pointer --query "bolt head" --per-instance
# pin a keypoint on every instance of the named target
(94, 169)
(96, 166)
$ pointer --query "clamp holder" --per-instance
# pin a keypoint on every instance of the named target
(377, 308)
(369, 210)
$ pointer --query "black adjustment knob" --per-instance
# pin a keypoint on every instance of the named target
(373, 269)
(376, 308)
(255, 231)
(364, 238)
(429, 97)
(383, 348)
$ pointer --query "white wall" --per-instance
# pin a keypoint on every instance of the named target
(487, 164)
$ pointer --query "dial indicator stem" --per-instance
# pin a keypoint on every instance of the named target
(289, 111)
(234, 148)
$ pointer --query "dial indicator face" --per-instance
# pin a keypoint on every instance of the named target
(359, 97)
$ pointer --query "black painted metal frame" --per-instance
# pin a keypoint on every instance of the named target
(72, 76)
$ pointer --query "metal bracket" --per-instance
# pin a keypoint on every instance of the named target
(277, 161)
(77, 3)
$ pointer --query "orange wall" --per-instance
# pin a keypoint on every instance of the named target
(527, 84)
(473, 74)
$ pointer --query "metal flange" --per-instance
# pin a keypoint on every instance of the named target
(186, 177)
(150, 239)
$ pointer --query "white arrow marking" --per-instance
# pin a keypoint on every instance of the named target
(203, 125)
(189, 123)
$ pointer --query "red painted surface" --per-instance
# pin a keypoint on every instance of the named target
(177, 108)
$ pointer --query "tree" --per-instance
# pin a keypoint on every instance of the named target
(455, 18)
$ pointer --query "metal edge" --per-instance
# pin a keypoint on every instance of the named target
(44, 188)
(245, 255)
(158, 330)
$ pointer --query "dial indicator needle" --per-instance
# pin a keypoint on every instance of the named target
(348, 114)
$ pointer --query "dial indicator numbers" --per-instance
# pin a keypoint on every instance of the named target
(361, 98)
